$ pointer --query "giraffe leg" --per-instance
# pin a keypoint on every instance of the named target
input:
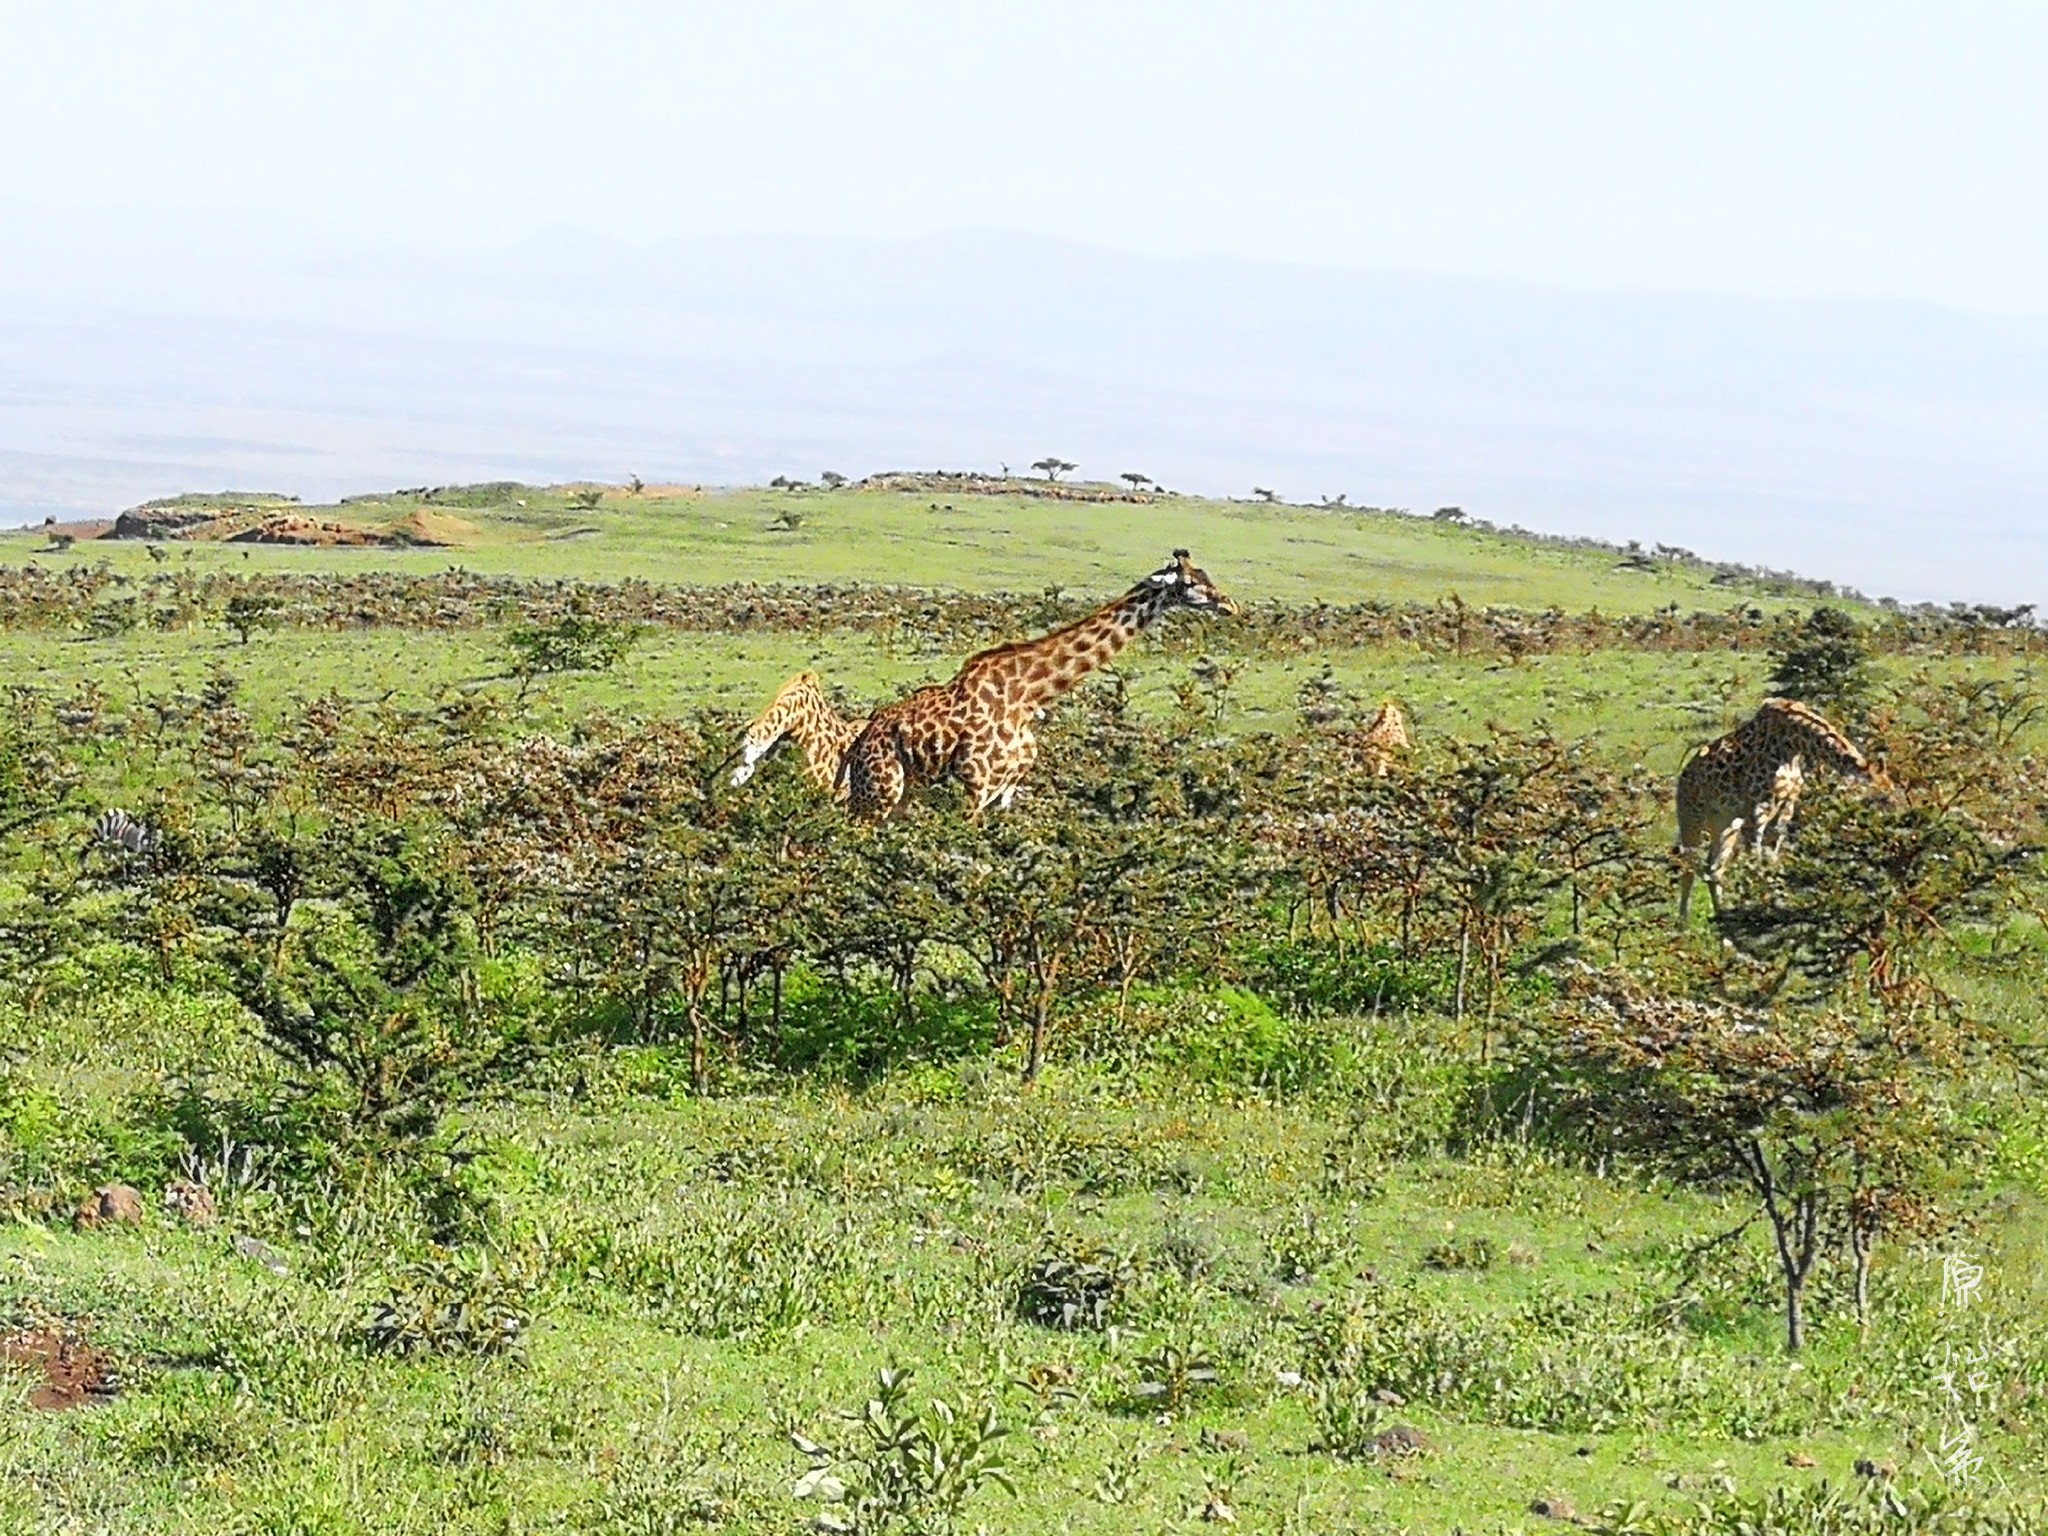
(1784, 806)
(1726, 846)
(981, 774)
(1693, 833)
(1016, 764)
(874, 779)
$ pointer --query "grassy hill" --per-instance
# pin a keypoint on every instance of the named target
(1015, 539)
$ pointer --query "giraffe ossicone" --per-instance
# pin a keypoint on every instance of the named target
(1744, 787)
(977, 728)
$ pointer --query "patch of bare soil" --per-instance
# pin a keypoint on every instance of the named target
(68, 1372)
(272, 525)
(425, 526)
(83, 528)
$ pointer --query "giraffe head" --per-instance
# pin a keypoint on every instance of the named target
(1180, 583)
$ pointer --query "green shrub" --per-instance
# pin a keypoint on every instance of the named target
(1073, 1284)
(1319, 976)
(1231, 1038)
(1463, 1253)
(462, 1304)
(1877, 1508)
(905, 1470)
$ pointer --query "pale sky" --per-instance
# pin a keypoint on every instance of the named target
(1781, 148)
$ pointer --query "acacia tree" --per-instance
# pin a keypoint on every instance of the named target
(1027, 897)
(663, 886)
(1826, 664)
(1829, 1123)
(36, 779)
(1495, 818)
(373, 997)
(1177, 873)
(247, 612)
(1052, 467)
(575, 642)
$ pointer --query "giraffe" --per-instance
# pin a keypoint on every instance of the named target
(1749, 781)
(978, 726)
(800, 709)
(1386, 735)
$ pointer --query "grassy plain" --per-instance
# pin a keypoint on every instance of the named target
(1007, 543)
(706, 1274)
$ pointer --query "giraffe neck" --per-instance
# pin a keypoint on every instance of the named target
(1052, 664)
(802, 711)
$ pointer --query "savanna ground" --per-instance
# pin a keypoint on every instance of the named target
(587, 1138)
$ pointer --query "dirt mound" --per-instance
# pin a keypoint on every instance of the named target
(69, 1372)
(429, 527)
(81, 528)
(161, 522)
(297, 528)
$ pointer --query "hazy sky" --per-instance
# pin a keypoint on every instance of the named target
(1783, 148)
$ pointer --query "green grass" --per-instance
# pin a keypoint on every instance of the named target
(980, 543)
(619, 1395)
(649, 1400)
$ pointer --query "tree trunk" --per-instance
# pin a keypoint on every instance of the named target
(1040, 1017)
(1464, 961)
(1796, 1229)
(1862, 1239)
(1047, 989)
(700, 1070)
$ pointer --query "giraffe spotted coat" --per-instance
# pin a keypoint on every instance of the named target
(801, 712)
(1745, 786)
(1384, 736)
(978, 727)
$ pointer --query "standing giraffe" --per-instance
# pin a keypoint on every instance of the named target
(1749, 780)
(1386, 735)
(978, 726)
(800, 709)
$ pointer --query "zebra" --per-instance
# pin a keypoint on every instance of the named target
(119, 831)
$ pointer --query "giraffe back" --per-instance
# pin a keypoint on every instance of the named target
(1758, 763)
(1389, 728)
(1810, 733)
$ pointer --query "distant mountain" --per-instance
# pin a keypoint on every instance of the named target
(1898, 447)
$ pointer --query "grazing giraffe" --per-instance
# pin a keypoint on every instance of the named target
(1749, 781)
(978, 726)
(800, 709)
(1386, 735)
